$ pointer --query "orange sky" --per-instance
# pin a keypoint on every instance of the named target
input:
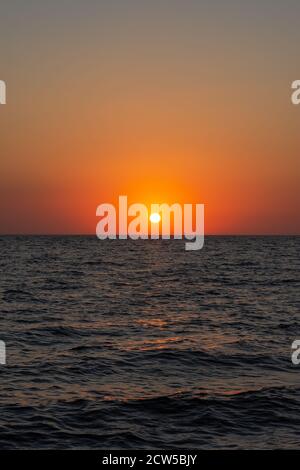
(186, 106)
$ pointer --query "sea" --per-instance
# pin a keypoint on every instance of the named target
(123, 344)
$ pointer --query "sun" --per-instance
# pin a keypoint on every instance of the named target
(155, 218)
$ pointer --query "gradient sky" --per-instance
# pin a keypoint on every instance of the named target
(164, 101)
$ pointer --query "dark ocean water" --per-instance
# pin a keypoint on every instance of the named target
(140, 344)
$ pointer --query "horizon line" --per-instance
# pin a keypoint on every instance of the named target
(160, 237)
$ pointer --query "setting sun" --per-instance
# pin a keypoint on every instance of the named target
(155, 218)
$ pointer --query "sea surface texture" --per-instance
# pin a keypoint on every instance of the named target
(141, 344)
